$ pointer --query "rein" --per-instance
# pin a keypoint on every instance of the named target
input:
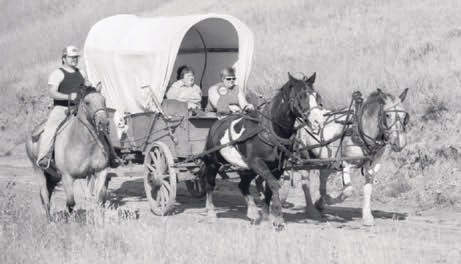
(91, 126)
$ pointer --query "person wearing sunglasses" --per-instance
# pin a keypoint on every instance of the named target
(226, 97)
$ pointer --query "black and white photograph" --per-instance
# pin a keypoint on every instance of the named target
(238, 131)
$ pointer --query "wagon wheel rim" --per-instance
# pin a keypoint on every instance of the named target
(160, 178)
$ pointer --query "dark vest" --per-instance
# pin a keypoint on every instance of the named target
(70, 84)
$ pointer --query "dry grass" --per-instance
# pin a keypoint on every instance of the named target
(107, 236)
(352, 45)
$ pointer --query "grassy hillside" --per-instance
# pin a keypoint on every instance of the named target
(359, 45)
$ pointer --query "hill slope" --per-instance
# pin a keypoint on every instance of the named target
(352, 46)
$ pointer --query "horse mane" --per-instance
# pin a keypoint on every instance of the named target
(84, 91)
(375, 99)
(285, 89)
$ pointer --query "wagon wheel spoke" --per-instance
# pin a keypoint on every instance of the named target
(151, 169)
(156, 160)
(164, 198)
(166, 185)
(160, 160)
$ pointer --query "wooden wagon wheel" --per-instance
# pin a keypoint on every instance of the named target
(160, 178)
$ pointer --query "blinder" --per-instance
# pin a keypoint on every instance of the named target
(403, 121)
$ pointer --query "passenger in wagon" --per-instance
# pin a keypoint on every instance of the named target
(184, 89)
(226, 97)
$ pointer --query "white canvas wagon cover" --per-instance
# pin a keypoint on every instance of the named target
(136, 58)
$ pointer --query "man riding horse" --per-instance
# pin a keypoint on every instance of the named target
(64, 83)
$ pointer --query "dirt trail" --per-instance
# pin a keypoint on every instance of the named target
(126, 190)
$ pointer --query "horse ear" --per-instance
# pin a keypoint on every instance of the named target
(312, 78)
(98, 87)
(290, 77)
(381, 94)
(403, 95)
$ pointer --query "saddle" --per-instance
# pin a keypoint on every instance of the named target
(38, 130)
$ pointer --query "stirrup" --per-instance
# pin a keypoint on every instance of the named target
(43, 166)
(115, 162)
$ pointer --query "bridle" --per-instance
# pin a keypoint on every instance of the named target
(385, 129)
(92, 119)
(391, 128)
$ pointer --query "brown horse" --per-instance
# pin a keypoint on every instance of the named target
(380, 121)
(80, 150)
(262, 144)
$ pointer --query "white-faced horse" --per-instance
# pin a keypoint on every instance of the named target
(261, 145)
(380, 121)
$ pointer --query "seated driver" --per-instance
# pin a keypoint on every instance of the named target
(184, 89)
(226, 97)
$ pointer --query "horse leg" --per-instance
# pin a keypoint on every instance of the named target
(100, 185)
(311, 211)
(90, 184)
(208, 172)
(244, 186)
(324, 197)
(67, 183)
(47, 185)
(368, 172)
(347, 187)
(260, 187)
(267, 202)
(260, 167)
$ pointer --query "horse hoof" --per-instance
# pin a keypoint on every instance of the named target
(278, 223)
(369, 221)
(279, 226)
(253, 215)
(212, 215)
(319, 205)
(314, 215)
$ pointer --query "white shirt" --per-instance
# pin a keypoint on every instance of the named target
(191, 95)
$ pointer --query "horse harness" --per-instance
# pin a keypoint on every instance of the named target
(353, 127)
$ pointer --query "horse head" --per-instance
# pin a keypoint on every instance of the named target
(92, 107)
(384, 115)
(305, 102)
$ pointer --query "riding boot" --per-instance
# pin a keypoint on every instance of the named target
(114, 161)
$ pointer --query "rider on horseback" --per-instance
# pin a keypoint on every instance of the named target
(64, 84)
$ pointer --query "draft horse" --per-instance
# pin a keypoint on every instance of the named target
(260, 145)
(80, 150)
(380, 121)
